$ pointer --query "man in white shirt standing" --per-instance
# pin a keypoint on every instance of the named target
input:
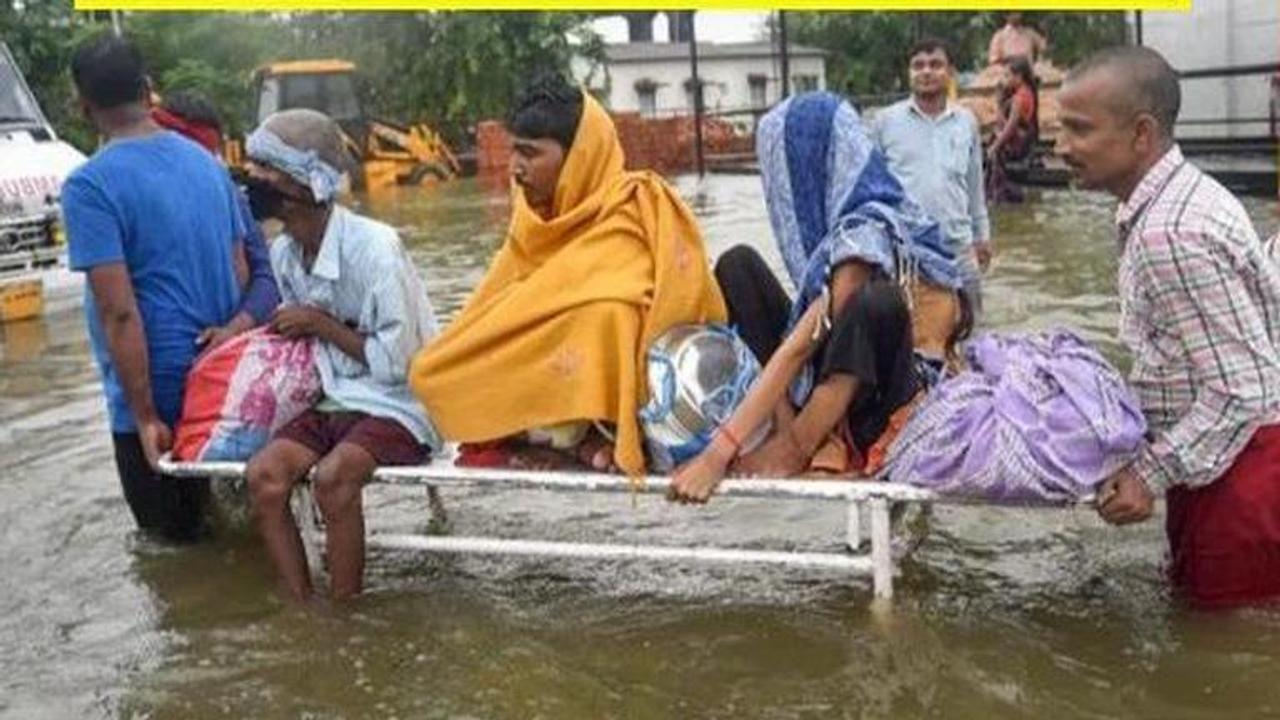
(934, 148)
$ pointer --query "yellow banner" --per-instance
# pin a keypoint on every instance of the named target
(364, 5)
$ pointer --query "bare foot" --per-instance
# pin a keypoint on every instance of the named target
(777, 457)
(696, 480)
(596, 452)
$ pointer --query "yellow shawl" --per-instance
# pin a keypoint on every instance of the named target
(558, 329)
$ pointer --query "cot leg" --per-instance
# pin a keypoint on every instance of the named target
(881, 549)
(437, 516)
(853, 526)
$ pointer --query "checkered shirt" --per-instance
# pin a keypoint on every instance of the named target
(1200, 312)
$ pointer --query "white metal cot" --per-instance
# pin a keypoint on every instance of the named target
(868, 504)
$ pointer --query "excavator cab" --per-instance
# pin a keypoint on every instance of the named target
(325, 85)
(386, 153)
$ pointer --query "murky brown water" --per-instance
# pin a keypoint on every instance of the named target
(1000, 613)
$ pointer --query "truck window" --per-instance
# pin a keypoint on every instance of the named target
(16, 103)
(302, 91)
(331, 93)
(341, 93)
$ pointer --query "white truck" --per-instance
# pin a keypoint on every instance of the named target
(33, 165)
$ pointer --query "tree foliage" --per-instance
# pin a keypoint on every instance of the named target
(868, 49)
(453, 69)
(447, 69)
(213, 54)
(41, 35)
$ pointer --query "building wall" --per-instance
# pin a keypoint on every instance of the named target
(1216, 34)
(726, 85)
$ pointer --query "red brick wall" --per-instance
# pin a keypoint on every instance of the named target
(493, 148)
(665, 145)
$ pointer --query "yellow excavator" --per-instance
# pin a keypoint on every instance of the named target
(388, 154)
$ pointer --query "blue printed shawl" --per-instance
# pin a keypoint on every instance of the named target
(831, 198)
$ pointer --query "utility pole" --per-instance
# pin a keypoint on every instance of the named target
(785, 55)
(697, 96)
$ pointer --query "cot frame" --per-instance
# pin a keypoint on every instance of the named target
(868, 504)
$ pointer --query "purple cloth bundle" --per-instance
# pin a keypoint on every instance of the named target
(1037, 418)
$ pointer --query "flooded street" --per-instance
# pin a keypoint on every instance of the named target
(999, 613)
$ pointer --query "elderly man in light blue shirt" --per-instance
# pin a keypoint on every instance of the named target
(346, 281)
(362, 275)
(934, 148)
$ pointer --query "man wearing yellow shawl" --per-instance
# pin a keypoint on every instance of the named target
(597, 263)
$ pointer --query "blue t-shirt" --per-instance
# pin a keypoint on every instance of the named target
(164, 207)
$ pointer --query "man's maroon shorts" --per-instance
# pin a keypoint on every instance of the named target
(386, 440)
(1224, 538)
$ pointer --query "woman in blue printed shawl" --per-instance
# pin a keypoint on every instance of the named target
(844, 360)
(1039, 417)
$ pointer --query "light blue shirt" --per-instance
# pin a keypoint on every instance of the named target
(939, 161)
(363, 277)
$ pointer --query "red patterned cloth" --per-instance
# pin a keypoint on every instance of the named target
(207, 136)
(492, 454)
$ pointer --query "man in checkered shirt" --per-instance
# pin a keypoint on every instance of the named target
(1200, 312)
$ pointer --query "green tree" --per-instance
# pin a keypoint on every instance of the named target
(210, 53)
(448, 69)
(868, 49)
(42, 34)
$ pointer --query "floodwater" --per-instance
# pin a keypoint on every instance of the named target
(999, 613)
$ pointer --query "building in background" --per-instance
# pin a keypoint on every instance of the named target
(1228, 52)
(654, 78)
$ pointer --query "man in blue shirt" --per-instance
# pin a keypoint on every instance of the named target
(193, 117)
(935, 150)
(152, 220)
